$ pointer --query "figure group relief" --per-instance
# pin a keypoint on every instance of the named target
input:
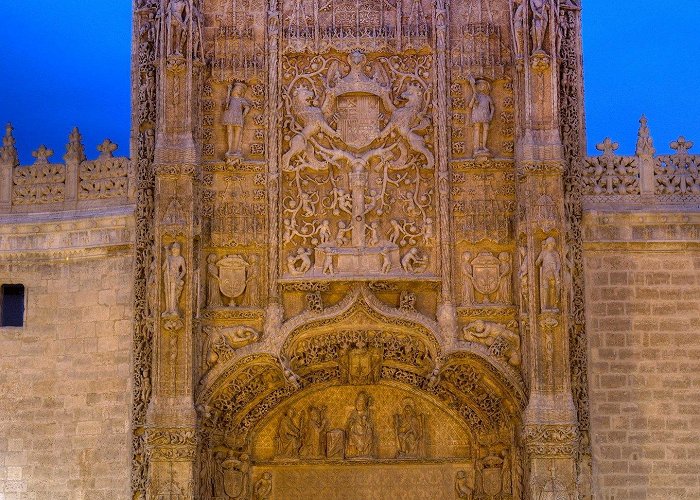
(358, 166)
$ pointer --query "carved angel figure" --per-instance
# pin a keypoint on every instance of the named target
(549, 262)
(174, 270)
(237, 107)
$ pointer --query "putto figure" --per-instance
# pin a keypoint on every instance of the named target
(237, 107)
(174, 270)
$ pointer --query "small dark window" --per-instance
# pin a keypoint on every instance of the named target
(12, 313)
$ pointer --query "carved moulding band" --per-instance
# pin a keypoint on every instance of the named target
(539, 168)
(551, 440)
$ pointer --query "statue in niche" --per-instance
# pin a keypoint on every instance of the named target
(237, 107)
(213, 292)
(501, 341)
(174, 270)
(288, 435)
(299, 263)
(463, 489)
(505, 272)
(482, 113)
(263, 488)
(468, 272)
(178, 20)
(549, 263)
(359, 429)
(540, 20)
(413, 262)
(314, 432)
(518, 11)
(409, 426)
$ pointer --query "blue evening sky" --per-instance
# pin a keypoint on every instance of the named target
(67, 63)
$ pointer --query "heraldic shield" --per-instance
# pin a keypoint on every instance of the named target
(358, 119)
(486, 273)
(233, 271)
(234, 477)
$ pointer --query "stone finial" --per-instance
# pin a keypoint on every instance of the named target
(75, 150)
(608, 147)
(42, 155)
(8, 151)
(645, 144)
(681, 146)
(106, 149)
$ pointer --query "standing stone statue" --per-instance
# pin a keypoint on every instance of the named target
(178, 18)
(505, 272)
(483, 110)
(213, 293)
(518, 10)
(174, 270)
(550, 276)
(540, 19)
(237, 107)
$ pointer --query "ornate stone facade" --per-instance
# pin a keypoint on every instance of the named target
(358, 247)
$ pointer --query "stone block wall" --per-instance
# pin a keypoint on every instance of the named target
(65, 376)
(643, 317)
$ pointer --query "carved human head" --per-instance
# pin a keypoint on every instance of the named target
(362, 401)
(478, 325)
(483, 85)
(461, 474)
(550, 243)
(212, 258)
(175, 249)
(504, 257)
(238, 88)
(467, 256)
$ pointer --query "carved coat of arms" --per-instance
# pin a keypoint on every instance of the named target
(486, 273)
(233, 271)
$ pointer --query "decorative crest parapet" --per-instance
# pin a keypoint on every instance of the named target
(643, 178)
(77, 183)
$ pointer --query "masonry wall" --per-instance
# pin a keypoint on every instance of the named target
(65, 377)
(643, 315)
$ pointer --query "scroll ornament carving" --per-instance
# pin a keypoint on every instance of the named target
(174, 271)
(551, 440)
(500, 339)
(357, 149)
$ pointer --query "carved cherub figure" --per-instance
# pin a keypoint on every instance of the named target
(324, 232)
(341, 236)
(490, 334)
(373, 230)
(263, 488)
(462, 488)
(413, 261)
(299, 263)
